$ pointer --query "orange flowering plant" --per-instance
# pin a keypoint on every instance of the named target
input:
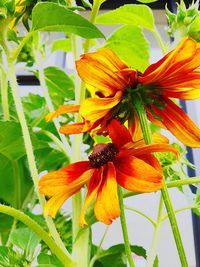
(93, 132)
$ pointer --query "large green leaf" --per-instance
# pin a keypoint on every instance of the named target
(194, 29)
(60, 85)
(116, 256)
(5, 226)
(62, 44)
(53, 17)
(45, 260)
(131, 46)
(25, 239)
(11, 140)
(139, 15)
(15, 181)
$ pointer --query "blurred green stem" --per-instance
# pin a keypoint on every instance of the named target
(159, 39)
(154, 245)
(142, 214)
(4, 94)
(124, 228)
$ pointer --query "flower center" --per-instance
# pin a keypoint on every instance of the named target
(102, 153)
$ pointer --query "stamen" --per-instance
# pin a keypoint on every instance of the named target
(102, 153)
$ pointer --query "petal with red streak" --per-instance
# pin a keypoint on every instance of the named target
(74, 128)
(94, 109)
(179, 124)
(53, 182)
(101, 71)
(118, 133)
(62, 110)
(179, 60)
(93, 187)
(136, 175)
(107, 205)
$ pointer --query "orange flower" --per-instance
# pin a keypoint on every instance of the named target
(119, 162)
(112, 86)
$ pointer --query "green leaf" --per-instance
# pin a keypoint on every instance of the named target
(146, 1)
(9, 257)
(25, 239)
(15, 181)
(62, 44)
(194, 29)
(116, 256)
(48, 261)
(11, 140)
(35, 110)
(60, 85)
(138, 15)
(5, 227)
(131, 46)
(156, 262)
(56, 159)
(52, 17)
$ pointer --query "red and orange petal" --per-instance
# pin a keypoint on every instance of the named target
(93, 109)
(179, 124)
(106, 207)
(177, 73)
(62, 110)
(101, 70)
(118, 133)
(180, 59)
(93, 187)
(136, 175)
(130, 149)
(61, 184)
(74, 128)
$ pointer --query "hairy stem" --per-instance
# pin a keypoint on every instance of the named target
(4, 94)
(142, 214)
(124, 229)
(156, 236)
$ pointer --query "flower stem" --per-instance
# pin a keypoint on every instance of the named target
(182, 209)
(154, 244)
(4, 94)
(192, 180)
(142, 214)
(55, 249)
(49, 103)
(124, 228)
(173, 222)
(139, 107)
(159, 39)
(30, 154)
